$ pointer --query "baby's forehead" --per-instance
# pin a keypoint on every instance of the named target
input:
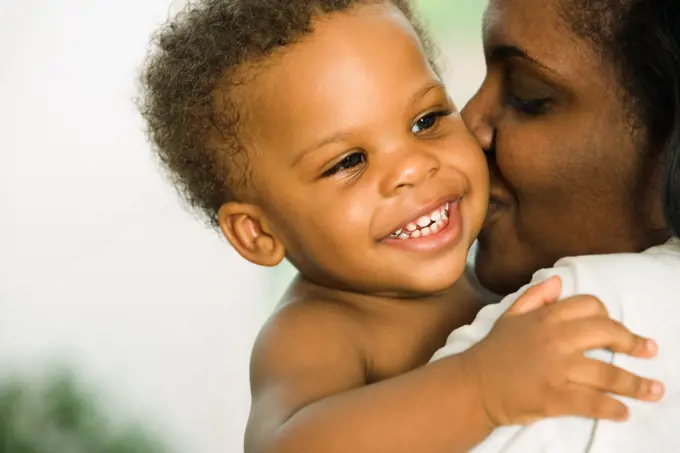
(337, 67)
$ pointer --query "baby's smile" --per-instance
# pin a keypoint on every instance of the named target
(437, 229)
(425, 225)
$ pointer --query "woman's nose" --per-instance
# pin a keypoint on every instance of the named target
(479, 114)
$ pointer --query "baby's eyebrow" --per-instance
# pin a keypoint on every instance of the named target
(335, 138)
(420, 94)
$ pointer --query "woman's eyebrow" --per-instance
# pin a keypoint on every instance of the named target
(503, 52)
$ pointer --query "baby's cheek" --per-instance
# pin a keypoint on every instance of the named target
(478, 177)
(480, 174)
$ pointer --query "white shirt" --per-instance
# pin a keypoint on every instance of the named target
(643, 292)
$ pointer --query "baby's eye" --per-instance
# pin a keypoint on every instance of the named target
(427, 122)
(347, 163)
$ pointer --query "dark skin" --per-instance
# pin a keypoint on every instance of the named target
(345, 148)
(568, 174)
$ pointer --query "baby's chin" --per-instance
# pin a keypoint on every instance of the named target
(401, 275)
(435, 279)
(408, 283)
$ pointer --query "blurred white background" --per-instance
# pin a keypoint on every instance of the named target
(100, 264)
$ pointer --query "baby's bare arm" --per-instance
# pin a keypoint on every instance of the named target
(310, 394)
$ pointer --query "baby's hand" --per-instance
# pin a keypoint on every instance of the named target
(532, 363)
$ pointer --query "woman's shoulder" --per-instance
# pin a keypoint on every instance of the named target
(620, 280)
(623, 268)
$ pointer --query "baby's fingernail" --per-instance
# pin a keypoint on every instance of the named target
(622, 414)
(651, 347)
(656, 389)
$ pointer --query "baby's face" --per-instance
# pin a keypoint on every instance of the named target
(361, 163)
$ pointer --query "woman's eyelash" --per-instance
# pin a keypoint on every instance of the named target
(349, 162)
(532, 107)
(526, 105)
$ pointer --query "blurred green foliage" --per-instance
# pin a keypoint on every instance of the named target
(60, 417)
(452, 17)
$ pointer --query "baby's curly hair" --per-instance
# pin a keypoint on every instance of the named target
(197, 55)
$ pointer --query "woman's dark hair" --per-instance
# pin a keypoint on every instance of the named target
(194, 68)
(642, 38)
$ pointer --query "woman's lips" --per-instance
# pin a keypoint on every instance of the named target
(496, 206)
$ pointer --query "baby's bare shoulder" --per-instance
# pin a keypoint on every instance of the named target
(308, 350)
(308, 337)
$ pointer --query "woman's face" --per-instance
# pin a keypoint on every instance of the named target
(569, 175)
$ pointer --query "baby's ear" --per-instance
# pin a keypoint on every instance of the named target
(245, 227)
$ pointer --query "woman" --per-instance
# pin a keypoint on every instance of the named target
(578, 105)
(580, 117)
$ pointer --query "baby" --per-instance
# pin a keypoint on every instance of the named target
(319, 131)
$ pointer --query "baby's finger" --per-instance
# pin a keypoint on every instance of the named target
(577, 307)
(591, 403)
(537, 296)
(609, 378)
(600, 332)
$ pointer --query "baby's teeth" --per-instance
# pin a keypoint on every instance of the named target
(424, 221)
(428, 224)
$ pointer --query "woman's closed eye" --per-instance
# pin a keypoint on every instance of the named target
(349, 162)
(428, 121)
(525, 92)
(531, 107)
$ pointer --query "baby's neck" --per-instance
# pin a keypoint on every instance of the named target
(391, 334)
(302, 289)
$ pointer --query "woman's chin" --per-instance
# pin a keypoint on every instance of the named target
(497, 267)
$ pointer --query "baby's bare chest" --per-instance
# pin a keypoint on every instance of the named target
(397, 348)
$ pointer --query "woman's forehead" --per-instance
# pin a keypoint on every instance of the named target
(538, 29)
